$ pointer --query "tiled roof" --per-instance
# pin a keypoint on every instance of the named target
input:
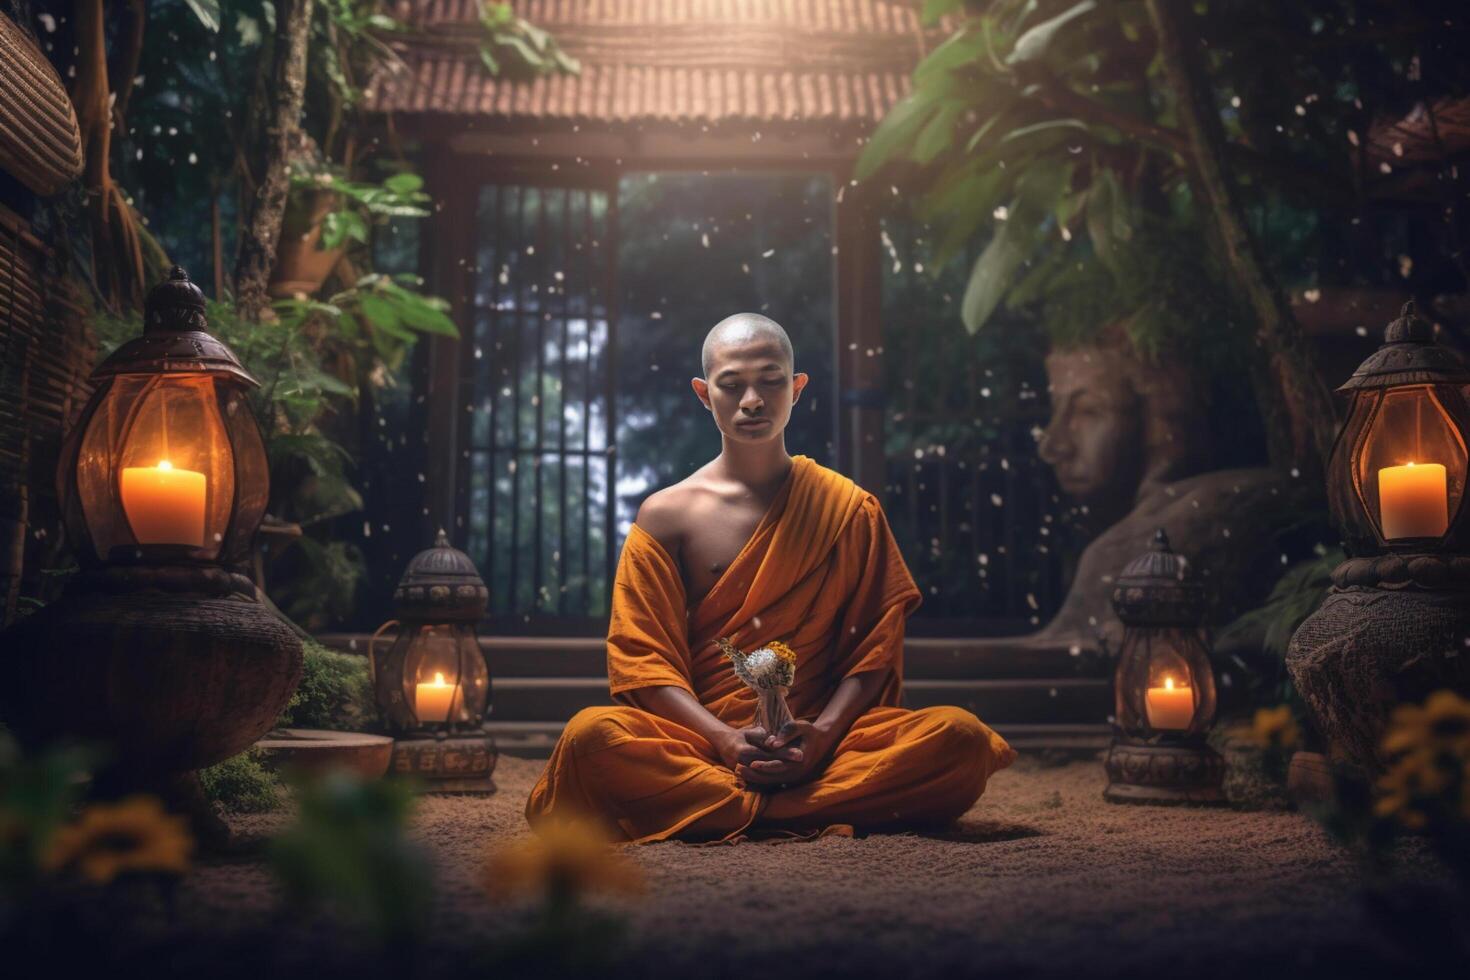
(698, 61)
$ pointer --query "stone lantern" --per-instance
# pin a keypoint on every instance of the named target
(1396, 624)
(1164, 686)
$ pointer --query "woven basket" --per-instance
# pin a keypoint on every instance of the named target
(40, 141)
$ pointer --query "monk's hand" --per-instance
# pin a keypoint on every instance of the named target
(814, 745)
(742, 748)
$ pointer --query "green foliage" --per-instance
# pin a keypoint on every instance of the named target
(242, 784)
(398, 196)
(1297, 593)
(37, 795)
(335, 692)
(348, 853)
(1002, 138)
(515, 46)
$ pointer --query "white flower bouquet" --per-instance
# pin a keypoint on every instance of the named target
(768, 671)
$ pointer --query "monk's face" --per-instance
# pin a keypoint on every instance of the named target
(1094, 441)
(750, 390)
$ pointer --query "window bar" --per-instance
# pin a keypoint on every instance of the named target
(543, 307)
(515, 426)
(561, 404)
(497, 363)
(610, 304)
(589, 312)
(911, 466)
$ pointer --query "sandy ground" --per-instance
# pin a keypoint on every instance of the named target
(1041, 878)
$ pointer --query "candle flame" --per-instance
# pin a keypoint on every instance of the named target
(1169, 683)
(164, 464)
(439, 679)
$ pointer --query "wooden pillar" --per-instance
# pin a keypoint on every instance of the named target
(859, 342)
(448, 259)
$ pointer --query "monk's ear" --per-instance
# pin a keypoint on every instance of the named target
(701, 389)
(798, 382)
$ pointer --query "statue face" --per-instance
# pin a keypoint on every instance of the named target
(1095, 439)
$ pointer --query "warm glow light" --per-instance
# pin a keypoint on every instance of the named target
(1169, 706)
(433, 701)
(164, 505)
(1413, 500)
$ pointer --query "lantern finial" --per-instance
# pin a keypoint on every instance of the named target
(174, 305)
(441, 540)
(1161, 541)
(1409, 328)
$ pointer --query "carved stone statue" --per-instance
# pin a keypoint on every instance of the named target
(1129, 440)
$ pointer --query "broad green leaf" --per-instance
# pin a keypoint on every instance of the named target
(1033, 44)
(208, 13)
(935, 9)
(938, 135)
(992, 273)
(893, 134)
(1049, 125)
(382, 314)
(405, 183)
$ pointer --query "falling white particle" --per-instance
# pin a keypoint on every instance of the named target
(995, 499)
(768, 253)
(1001, 213)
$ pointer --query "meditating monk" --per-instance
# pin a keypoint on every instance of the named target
(759, 546)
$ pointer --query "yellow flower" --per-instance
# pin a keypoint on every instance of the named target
(109, 839)
(783, 651)
(1275, 728)
(1428, 752)
(566, 858)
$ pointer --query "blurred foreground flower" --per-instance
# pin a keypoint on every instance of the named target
(1275, 728)
(1427, 783)
(564, 861)
(133, 835)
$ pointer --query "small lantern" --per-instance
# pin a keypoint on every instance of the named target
(166, 464)
(1393, 627)
(160, 648)
(432, 685)
(1164, 686)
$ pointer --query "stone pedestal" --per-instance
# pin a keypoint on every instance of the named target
(1393, 630)
(1185, 771)
(460, 763)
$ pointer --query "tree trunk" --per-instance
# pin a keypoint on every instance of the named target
(117, 256)
(281, 111)
(1299, 415)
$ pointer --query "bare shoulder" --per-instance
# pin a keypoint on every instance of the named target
(662, 515)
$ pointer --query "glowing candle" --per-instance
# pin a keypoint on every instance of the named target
(1169, 706)
(433, 701)
(164, 505)
(1412, 501)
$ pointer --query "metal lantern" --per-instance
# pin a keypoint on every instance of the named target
(1164, 686)
(160, 648)
(432, 685)
(166, 465)
(1393, 628)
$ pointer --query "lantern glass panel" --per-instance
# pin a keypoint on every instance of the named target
(1410, 464)
(1164, 684)
(444, 675)
(156, 466)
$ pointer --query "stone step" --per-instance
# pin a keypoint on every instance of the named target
(936, 658)
(1054, 701)
(535, 739)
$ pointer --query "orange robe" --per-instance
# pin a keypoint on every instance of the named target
(823, 573)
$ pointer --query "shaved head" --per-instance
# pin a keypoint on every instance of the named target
(744, 329)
